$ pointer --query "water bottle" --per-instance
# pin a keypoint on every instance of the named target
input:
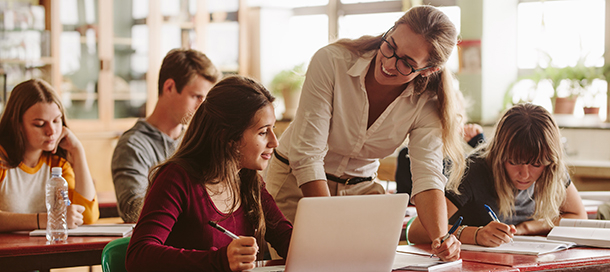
(57, 203)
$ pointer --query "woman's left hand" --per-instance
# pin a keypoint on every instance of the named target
(448, 250)
(68, 141)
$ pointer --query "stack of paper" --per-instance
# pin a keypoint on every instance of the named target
(415, 259)
(527, 245)
(120, 230)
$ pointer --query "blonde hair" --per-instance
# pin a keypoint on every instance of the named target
(436, 28)
(528, 134)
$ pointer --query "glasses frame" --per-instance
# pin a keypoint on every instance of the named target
(413, 70)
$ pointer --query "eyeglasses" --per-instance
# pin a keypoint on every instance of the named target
(388, 51)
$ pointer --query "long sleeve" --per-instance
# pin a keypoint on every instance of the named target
(279, 229)
(130, 176)
(171, 199)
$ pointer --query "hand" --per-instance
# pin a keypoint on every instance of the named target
(495, 234)
(242, 253)
(471, 130)
(74, 216)
(448, 250)
(68, 141)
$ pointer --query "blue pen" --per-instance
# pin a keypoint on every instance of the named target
(494, 217)
(451, 231)
(492, 213)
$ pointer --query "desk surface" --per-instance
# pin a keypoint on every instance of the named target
(574, 259)
(19, 252)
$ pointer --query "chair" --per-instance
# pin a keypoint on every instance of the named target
(113, 255)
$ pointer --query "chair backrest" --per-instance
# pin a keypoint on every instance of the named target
(113, 255)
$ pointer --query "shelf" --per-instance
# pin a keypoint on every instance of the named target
(29, 62)
(81, 95)
(129, 96)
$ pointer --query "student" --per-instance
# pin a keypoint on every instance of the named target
(360, 100)
(185, 77)
(213, 177)
(520, 173)
(33, 139)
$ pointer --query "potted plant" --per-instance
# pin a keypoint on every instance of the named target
(287, 84)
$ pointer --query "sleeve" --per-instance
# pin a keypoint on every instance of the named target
(279, 230)
(147, 250)
(92, 211)
(477, 140)
(130, 177)
(426, 150)
(308, 143)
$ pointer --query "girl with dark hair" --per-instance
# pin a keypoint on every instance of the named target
(213, 177)
(521, 175)
(33, 139)
(361, 100)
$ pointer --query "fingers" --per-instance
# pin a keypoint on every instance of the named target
(242, 253)
(74, 216)
(448, 250)
(495, 234)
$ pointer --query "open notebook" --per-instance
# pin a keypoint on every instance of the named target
(528, 245)
(594, 233)
(120, 230)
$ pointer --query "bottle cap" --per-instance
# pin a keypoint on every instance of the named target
(56, 171)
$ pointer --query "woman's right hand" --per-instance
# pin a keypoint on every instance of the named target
(74, 216)
(495, 234)
(242, 253)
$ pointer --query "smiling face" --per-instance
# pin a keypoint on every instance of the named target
(259, 140)
(42, 124)
(523, 175)
(408, 46)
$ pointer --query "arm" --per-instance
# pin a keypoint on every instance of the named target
(130, 177)
(309, 138)
(571, 208)
(76, 157)
(21, 221)
(279, 229)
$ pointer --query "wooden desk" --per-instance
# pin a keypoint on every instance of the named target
(19, 252)
(107, 204)
(466, 267)
(574, 259)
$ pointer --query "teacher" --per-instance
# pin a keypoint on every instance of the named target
(360, 101)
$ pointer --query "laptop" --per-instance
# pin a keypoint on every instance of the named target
(345, 233)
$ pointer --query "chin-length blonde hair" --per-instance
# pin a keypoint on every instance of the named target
(528, 134)
(440, 34)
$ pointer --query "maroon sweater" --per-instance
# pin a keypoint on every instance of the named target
(173, 234)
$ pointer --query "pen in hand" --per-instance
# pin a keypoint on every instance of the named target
(493, 216)
(223, 230)
(451, 231)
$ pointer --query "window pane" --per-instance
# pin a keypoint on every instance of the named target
(565, 31)
(287, 4)
(362, 1)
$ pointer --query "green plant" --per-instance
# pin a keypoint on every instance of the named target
(288, 80)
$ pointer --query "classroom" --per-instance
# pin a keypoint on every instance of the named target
(108, 64)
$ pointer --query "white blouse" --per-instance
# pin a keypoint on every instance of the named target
(329, 132)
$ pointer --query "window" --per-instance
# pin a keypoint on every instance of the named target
(561, 33)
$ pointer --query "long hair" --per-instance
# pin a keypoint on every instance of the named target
(528, 134)
(25, 95)
(438, 31)
(209, 151)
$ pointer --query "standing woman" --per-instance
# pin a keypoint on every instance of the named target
(33, 139)
(361, 99)
(213, 177)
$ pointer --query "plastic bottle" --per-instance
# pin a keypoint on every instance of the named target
(57, 203)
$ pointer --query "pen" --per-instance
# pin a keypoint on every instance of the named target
(451, 231)
(223, 230)
(492, 213)
(494, 217)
